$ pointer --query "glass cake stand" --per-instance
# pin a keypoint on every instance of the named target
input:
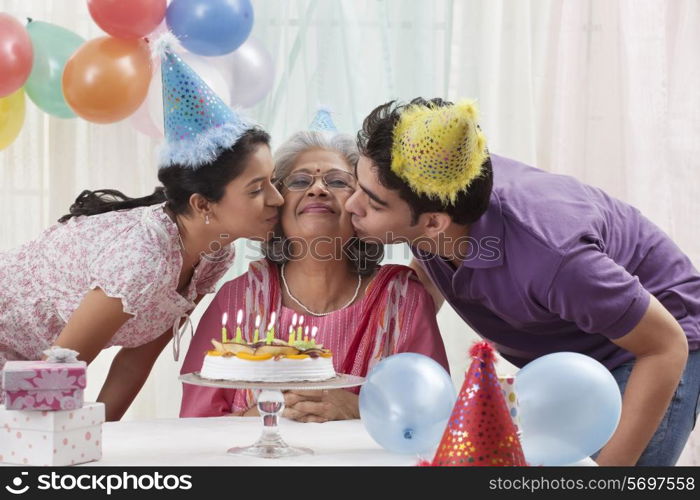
(270, 405)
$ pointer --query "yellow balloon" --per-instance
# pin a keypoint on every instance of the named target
(11, 117)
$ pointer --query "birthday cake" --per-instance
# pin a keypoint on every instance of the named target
(268, 361)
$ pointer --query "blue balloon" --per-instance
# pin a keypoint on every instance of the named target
(406, 402)
(569, 407)
(210, 27)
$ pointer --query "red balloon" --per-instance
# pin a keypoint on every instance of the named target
(16, 55)
(127, 18)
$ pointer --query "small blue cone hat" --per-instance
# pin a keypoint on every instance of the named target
(198, 124)
(323, 122)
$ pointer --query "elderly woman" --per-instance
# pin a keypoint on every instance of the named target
(319, 269)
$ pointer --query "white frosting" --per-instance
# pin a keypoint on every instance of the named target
(271, 370)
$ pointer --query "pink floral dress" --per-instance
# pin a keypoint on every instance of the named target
(133, 255)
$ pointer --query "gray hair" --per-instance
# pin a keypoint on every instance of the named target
(287, 154)
(365, 257)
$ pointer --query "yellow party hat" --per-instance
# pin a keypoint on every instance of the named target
(439, 151)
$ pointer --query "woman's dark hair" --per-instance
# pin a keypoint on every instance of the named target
(375, 140)
(179, 182)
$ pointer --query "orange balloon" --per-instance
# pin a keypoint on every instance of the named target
(107, 79)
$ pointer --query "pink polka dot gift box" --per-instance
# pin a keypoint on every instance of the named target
(52, 438)
(54, 384)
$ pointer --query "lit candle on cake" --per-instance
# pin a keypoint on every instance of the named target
(271, 328)
(224, 319)
(314, 331)
(256, 335)
(291, 334)
(306, 333)
(239, 318)
(299, 331)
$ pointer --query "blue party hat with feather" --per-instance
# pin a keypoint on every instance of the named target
(198, 124)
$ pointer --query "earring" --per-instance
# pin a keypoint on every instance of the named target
(206, 219)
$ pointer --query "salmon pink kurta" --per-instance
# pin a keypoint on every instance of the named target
(395, 315)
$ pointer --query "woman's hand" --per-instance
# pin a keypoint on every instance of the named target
(129, 370)
(127, 374)
(321, 406)
(250, 412)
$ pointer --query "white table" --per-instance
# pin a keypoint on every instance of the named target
(204, 441)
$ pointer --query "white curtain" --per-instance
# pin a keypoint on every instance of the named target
(602, 90)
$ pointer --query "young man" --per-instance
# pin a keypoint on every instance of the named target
(538, 263)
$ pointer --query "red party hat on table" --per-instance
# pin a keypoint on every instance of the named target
(480, 431)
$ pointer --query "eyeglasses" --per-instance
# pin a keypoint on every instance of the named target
(337, 180)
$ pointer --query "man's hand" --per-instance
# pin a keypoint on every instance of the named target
(321, 406)
(435, 293)
(661, 351)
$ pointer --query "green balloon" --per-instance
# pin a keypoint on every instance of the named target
(53, 46)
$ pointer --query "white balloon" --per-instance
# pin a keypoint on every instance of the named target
(142, 120)
(250, 72)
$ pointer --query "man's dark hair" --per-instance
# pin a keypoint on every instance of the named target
(375, 140)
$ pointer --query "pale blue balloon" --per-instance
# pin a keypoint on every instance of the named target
(406, 402)
(569, 407)
(210, 27)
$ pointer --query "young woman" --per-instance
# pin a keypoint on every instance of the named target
(124, 271)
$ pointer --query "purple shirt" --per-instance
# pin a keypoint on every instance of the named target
(557, 265)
